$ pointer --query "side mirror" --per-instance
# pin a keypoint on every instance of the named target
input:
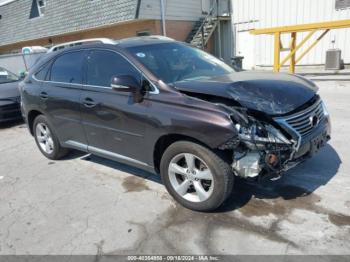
(23, 75)
(125, 83)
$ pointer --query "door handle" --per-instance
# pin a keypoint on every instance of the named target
(88, 102)
(44, 95)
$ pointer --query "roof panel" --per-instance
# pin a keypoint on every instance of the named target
(5, 2)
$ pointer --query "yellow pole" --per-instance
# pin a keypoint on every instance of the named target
(293, 52)
(303, 27)
(292, 48)
(277, 52)
(311, 46)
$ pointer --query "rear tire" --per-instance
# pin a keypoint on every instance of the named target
(195, 176)
(46, 139)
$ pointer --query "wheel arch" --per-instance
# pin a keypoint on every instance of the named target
(31, 117)
(166, 140)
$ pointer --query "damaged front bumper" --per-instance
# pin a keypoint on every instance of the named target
(309, 131)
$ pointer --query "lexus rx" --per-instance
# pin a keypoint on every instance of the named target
(164, 106)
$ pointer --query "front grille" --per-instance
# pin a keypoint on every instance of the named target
(304, 122)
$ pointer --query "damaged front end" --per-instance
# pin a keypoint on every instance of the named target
(278, 120)
(260, 149)
(263, 150)
(266, 148)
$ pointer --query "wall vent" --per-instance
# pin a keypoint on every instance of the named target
(333, 59)
(342, 4)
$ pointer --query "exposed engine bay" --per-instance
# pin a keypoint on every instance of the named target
(261, 148)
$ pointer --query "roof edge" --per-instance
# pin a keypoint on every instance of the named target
(77, 31)
(6, 2)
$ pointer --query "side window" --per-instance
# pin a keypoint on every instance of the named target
(42, 73)
(103, 65)
(67, 68)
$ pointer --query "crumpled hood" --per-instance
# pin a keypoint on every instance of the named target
(271, 93)
(9, 90)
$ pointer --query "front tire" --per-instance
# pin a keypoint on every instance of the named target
(195, 176)
(46, 139)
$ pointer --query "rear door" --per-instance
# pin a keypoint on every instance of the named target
(61, 97)
(113, 121)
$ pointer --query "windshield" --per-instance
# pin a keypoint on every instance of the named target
(173, 62)
(7, 77)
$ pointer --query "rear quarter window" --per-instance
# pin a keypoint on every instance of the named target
(68, 68)
(42, 73)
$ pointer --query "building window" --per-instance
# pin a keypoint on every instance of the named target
(143, 33)
(342, 4)
(38, 8)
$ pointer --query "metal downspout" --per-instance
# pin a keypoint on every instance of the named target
(162, 13)
(219, 29)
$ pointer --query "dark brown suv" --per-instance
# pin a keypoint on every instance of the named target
(164, 106)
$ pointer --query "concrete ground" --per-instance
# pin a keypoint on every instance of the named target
(87, 205)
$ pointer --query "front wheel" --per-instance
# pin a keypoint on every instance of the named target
(195, 176)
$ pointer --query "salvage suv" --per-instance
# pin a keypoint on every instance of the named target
(167, 107)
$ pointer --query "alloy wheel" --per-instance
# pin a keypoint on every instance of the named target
(44, 138)
(191, 177)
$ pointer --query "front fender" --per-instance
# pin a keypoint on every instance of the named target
(212, 130)
(199, 119)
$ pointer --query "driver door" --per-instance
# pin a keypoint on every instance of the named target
(112, 120)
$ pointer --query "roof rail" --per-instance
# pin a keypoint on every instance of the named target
(162, 37)
(80, 42)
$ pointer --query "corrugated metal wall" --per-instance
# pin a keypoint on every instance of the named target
(258, 50)
(225, 51)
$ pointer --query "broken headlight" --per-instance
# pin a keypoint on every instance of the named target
(325, 110)
(261, 133)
